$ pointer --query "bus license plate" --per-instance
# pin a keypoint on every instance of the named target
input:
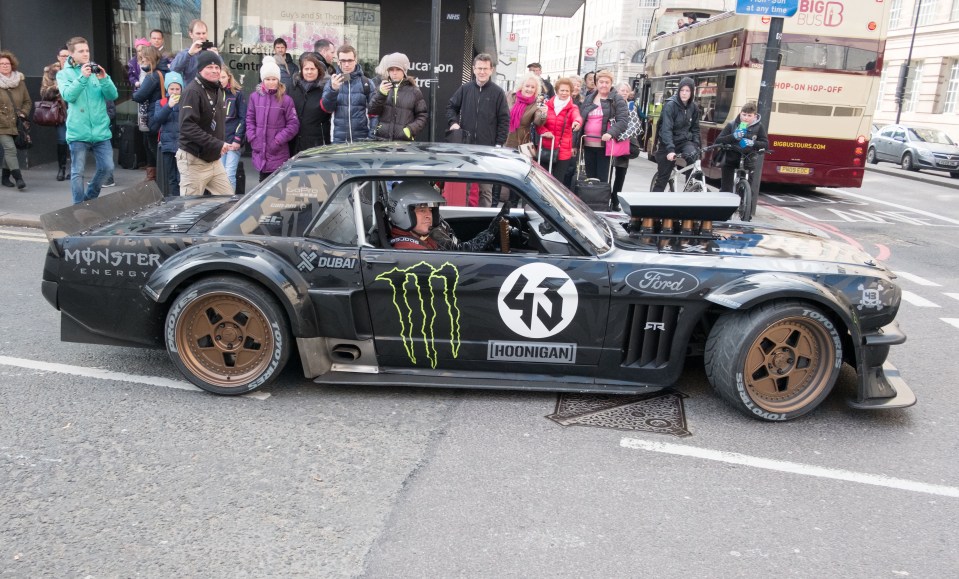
(794, 170)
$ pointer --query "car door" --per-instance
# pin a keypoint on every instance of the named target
(487, 312)
(883, 140)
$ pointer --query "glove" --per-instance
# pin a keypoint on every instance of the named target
(406, 131)
(739, 133)
(744, 143)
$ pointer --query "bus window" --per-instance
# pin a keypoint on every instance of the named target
(821, 56)
(724, 97)
(707, 88)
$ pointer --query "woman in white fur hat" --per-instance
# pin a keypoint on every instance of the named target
(271, 120)
(399, 103)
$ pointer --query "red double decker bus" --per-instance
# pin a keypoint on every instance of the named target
(826, 86)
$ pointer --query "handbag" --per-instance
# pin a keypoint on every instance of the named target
(616, 148)
(49, 113)
(634, 148)
(22, 140)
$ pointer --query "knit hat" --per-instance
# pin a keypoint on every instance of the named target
(141, 42)
(171, 78)
(393, 60)
(205, 58)
(270, 68)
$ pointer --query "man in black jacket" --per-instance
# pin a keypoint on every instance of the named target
(201, 141)
(478, 110)
(679, 131)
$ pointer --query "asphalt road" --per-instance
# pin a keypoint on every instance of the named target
(134, 473)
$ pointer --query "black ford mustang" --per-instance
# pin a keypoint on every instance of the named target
(586, 302)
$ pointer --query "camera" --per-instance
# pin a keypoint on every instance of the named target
(206, 45)
(95, 68)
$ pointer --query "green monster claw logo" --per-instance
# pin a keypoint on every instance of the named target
(415, 290)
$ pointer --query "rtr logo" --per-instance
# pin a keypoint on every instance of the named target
(655, 326)
(538, 300)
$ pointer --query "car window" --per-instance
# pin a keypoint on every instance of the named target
(900, 134)
(930, 136)
(337, 222)
(283, 206)
(888, 132)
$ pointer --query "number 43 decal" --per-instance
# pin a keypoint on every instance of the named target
(538, 300)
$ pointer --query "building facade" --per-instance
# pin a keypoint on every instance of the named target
(931, 96)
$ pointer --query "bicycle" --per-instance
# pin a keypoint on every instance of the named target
(692, 173)
(741, 181)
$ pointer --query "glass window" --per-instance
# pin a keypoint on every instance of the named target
(707, 90)
(337, 222)
(934, 136)
(283, 206)
(894, 12)
(952, 89)
(888, 132)
(882, 89)
(818, 55)
(927, 11)
(913, 86)
(955, 10)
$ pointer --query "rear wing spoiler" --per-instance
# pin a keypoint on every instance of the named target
(100, 211)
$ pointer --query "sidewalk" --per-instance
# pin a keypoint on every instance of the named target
(44, 193)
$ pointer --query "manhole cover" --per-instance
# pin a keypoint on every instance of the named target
(661, 412)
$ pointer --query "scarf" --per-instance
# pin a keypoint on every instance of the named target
(12, 81)
(519, 107)
(307, 85)
(559, 105)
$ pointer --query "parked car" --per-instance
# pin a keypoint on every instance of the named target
(566, 299)
(915, 148)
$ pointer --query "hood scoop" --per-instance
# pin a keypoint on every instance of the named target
(676, 214)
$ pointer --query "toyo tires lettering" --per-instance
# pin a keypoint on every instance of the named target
(837, 342)
(748, 402)
(277, 352)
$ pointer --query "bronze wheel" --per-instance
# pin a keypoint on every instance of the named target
(775, 362)
(227, 336)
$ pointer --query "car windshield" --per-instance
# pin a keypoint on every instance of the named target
(580, 217)
(934, 136)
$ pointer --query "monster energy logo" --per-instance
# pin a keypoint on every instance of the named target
(415, 290)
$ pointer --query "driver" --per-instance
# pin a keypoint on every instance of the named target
(416, 224)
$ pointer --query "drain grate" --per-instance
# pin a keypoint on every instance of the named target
(660, 413)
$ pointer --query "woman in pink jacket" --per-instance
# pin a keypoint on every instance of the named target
(271, 121)
(562, 120)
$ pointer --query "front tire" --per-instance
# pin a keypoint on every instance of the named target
(871, 156)
(907, 163)
(227, 335)
(746, 207)
(694, 185)
(774, 362)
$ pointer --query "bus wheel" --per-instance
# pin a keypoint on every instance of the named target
(907, 163)
(871, 156)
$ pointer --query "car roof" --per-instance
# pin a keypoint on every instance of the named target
(387, 158)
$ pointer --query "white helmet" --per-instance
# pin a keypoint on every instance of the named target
(407, 196)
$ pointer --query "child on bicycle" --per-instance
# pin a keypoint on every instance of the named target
(747, 135)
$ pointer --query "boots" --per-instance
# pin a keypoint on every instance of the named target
(151, 174)
(18, 178)
(6, 178)
(62, 161)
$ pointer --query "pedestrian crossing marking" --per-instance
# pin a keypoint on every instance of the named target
(953, 296)
(951, 321)
(917, 279)
(917, 300)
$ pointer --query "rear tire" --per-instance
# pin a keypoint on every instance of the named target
(871, 156)
(227, 335)
(694, 185)
(745, 193)
(907, 163)
(775, 362)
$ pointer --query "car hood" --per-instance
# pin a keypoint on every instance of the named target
(139, 210)
(782, 250)
(937, 147)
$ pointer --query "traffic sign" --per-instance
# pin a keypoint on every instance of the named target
(590, 51)
(777, 8)
(599, 44)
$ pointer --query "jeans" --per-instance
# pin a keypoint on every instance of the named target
(171, 173)
(62, 134)
(103, 154)
(230, 161)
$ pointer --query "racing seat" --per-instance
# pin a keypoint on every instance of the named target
(379, 235)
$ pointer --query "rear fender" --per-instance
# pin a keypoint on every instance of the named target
(243, 259)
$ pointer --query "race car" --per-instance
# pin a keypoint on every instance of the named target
(565, 299)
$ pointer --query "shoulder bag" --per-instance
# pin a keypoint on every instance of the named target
(22, 140)
(49, 113)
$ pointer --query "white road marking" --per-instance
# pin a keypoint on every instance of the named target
(896, 205)
(953, 296)
(917, 300)
(22, 232)
(23, 238)
(109, 375)
(790, 467)
(951, 321)
(916, 279)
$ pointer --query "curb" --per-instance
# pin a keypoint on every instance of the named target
(916, 176)
(20, 220)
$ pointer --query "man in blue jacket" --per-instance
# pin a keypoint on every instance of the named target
(347, 97)
(87, 88)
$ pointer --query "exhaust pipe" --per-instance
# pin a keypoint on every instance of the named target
(346, 353)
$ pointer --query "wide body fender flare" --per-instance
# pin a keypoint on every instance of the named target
(244, 259)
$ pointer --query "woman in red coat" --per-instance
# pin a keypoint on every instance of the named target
(562, 120)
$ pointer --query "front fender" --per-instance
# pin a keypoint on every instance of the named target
(745, 292)
(244, 259)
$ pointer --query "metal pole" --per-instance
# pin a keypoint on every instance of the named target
(766, 86)
(582, 34)
(904, 73)
(434, 65)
